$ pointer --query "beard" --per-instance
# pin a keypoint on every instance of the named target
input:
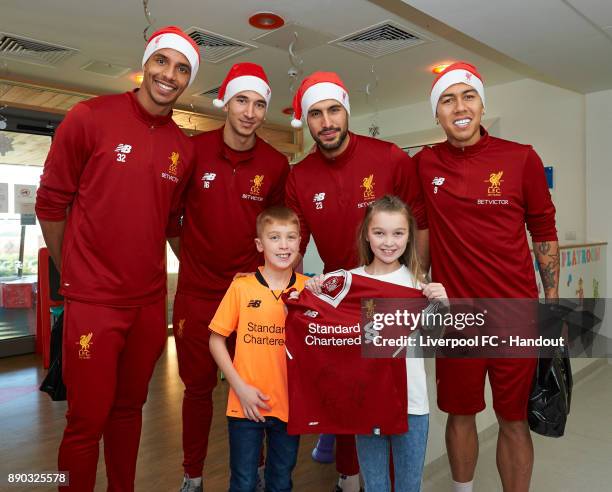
(333, 145)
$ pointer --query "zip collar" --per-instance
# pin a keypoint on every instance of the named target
(470, 150)
(235, 156)
(143, 115)
(343, 158)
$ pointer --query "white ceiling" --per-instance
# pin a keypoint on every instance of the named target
(507, 40)
(568, 40)
(111, 31)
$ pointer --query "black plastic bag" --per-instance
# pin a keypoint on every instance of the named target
(551, 395)
(551, 392)
(53, 384)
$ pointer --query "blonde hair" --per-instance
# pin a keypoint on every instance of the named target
(392, 204)
(276, 214)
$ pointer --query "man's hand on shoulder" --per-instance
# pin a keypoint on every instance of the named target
(242, 274)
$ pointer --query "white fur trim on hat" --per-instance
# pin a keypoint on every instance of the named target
(175, 42)
(321, 92)
(244, 83)
(296, 123)
(455, 77)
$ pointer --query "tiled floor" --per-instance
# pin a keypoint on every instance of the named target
(579, 461)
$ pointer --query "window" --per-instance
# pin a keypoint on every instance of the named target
(22, 156)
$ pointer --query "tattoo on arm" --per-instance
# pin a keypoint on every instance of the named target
(543, 248)
(547, 256)
(547, 271)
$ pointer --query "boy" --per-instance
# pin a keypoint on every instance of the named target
(257, 400)
(240, 172)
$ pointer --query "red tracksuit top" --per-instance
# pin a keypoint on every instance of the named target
(332, 387)
(478, 202)
(330, 196)
(226, 192)
(120, 170)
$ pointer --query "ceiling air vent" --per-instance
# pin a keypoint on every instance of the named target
(210, 93)
(32, 51)
(380, 40)
(106, 69)
(215, 48)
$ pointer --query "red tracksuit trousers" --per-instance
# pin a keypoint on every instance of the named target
(198, 371)
(109, 354)
(346, 455)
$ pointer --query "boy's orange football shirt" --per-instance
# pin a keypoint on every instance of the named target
(258, 315)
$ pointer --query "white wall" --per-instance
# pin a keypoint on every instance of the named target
(599, 169)
(526, 111)
(599, 177)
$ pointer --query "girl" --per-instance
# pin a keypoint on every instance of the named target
(387, 252)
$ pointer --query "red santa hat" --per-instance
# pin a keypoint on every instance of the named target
(175, 38)
(244, 77)
(459, 72)
(318, 86)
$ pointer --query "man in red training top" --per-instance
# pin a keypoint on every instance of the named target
(114, 174)
(480, 193)
(331, 188)
(237, 175)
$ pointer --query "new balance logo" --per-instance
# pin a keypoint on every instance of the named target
(122, 151)
(318, 200)
(311, 314)
(207, 178)
(437, 181)
(123, 148)
(254, 303)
